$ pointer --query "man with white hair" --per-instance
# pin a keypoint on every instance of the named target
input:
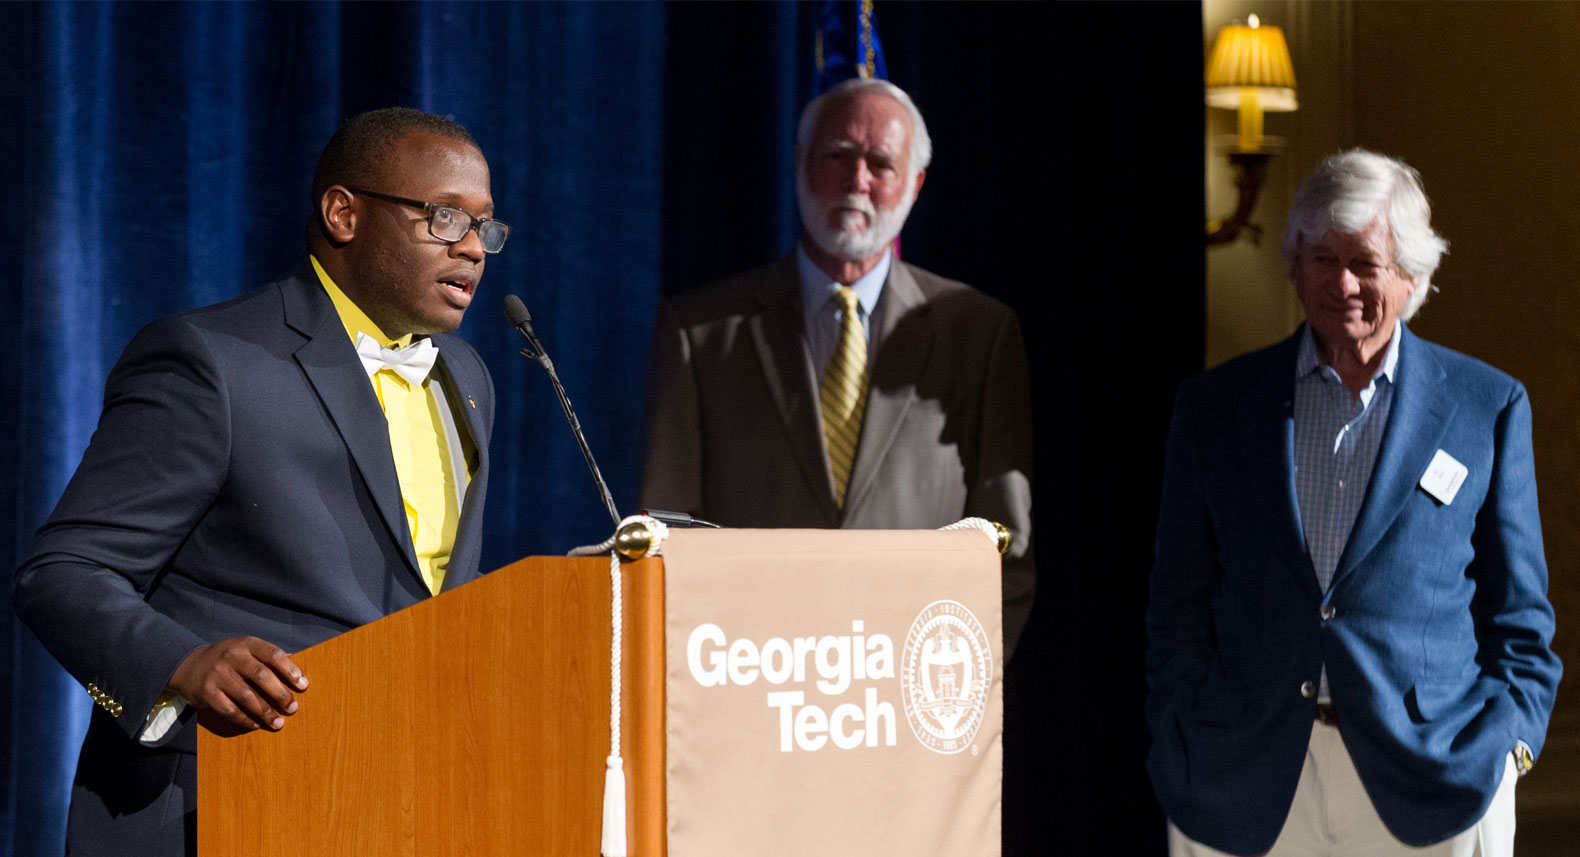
(839, 386)
(1349, 647)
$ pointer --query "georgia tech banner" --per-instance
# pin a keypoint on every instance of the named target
(833, 692)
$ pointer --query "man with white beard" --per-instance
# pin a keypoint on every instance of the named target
(839, 386)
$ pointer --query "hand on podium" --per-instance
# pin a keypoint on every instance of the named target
(240, 684)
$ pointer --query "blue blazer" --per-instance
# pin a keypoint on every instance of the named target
(240, 482)
(1438, 646)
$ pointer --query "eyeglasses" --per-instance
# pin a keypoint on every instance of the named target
(450, 224)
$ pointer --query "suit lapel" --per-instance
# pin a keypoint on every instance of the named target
(331, 365)
(787, 370)
(464, 387)
(901, 356)
(1416, 421)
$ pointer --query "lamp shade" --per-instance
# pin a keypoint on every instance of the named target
(1251, 56)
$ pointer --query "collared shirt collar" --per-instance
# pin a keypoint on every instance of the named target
(817, 286)
(1306, 360)
(355, 320)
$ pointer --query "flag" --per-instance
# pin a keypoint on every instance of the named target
(846, 44)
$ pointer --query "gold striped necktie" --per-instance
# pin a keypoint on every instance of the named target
(843, 395)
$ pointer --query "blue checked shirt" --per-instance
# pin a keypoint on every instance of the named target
(1336, 442)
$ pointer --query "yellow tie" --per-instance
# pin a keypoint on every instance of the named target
(843, 395)
(427, 482)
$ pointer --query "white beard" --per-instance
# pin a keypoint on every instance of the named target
(860, 236)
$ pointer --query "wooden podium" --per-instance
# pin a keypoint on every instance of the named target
(476, 723)
(784, 692)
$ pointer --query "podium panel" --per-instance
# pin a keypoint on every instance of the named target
(833, 693)
(475, 723)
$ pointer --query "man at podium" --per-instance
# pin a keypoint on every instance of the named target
(272, 471)
(840, 387)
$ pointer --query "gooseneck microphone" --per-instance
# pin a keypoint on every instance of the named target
(521, 320)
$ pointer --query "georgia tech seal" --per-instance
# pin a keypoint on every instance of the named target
(947, 670)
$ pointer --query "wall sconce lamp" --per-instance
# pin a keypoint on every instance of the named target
(1249, 71)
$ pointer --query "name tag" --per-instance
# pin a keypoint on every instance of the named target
(1443, 477)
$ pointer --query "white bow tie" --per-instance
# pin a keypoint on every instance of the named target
(413, 362)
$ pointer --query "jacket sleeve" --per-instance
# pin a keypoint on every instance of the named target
(151, 471)
(672, 471)
(1185, 575)
(1514, 619)
(1000, 488)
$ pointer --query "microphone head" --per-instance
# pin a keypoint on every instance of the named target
(516, 311)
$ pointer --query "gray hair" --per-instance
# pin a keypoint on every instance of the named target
(921, 144)
(1352, 189)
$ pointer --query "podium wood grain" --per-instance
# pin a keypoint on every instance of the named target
(475, 723)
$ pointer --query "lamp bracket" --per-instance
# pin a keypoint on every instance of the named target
(1250, 169)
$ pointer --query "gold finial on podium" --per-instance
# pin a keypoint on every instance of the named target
(634, 540)
(1004, 537)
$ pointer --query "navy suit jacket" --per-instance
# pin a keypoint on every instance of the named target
(240, 482)
(1438, 645)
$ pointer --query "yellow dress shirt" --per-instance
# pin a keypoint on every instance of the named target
(418, 441)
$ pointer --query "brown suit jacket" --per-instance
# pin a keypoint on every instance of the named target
(734, 433)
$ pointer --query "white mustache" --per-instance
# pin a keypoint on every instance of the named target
(857, 202)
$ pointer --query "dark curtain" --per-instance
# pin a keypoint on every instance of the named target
(158, 156)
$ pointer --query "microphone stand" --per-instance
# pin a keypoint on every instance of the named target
(534, 351)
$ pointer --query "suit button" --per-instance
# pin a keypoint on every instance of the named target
(1308, 689)
(1327, 612)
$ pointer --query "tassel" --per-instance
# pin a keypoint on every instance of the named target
(613, 808)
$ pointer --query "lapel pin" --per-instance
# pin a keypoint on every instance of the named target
(469, 401)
